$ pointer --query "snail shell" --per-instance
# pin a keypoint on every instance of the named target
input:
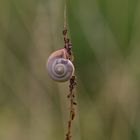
(59, 67)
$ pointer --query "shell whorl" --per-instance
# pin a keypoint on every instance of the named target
(59, 68)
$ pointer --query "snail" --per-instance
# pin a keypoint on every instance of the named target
(59, 67)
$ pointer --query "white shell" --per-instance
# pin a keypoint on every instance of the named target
(60, 69)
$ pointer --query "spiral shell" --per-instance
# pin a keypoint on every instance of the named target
(59, 68)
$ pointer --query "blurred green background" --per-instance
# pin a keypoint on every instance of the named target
(106, 44)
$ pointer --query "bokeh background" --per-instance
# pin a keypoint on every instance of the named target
(106, 44)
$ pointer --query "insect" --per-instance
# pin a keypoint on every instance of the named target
(59, 67)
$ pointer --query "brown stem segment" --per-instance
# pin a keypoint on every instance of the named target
(72, 84)
(68, 45)
(71, 97)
